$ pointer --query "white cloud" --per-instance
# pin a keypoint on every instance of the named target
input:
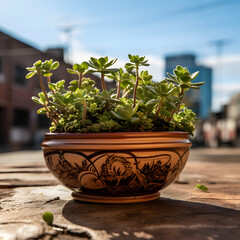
(212, 60)
(226, 64)
(156, 67)
(227, 87)
(223, 93)
(80, 53)
(219, 102)
(226, 77)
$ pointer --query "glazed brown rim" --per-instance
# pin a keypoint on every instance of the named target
(117, 140)
(171, 134)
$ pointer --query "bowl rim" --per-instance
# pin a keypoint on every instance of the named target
(168, 134)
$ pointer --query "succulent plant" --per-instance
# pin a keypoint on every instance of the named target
(136, 104)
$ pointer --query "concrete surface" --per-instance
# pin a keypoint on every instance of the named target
(27, 190)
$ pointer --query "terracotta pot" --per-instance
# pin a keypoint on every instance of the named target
(116, 167)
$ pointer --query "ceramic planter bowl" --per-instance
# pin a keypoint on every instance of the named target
(116, 167)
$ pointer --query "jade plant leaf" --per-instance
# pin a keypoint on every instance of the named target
(201, 187)
(48, 218)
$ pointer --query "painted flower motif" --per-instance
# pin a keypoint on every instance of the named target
(116, 168)
(90, 180)
(119, 173)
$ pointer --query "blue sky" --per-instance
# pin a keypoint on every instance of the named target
(154, 28)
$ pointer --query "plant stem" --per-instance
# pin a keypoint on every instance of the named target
(181, 98)
(49, 113)
(181, 94)
(49, 81)
(84, 113)
(102, 80)
(47, 99)
(170, 118)
(80, 80)
(158, 109)
(135, 88)
(42, 86)
(118, 90)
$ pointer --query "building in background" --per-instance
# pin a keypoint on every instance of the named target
(199, 100)
(233, 109)
(19, 124)
(228, 126)
(223, 128)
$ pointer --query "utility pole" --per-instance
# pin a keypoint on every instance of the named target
(67, 29)
(219, 46)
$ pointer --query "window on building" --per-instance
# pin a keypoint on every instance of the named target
(1, 66)
(43, 122)
(2, 125)
(19, 76)
(21, 118)
(1, 71)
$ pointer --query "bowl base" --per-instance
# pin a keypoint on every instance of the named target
(115, 200)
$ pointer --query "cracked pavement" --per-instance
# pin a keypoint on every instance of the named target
(27, 190)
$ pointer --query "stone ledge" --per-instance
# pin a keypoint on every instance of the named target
(180, 213)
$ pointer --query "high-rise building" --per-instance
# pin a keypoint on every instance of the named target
(199, 100)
